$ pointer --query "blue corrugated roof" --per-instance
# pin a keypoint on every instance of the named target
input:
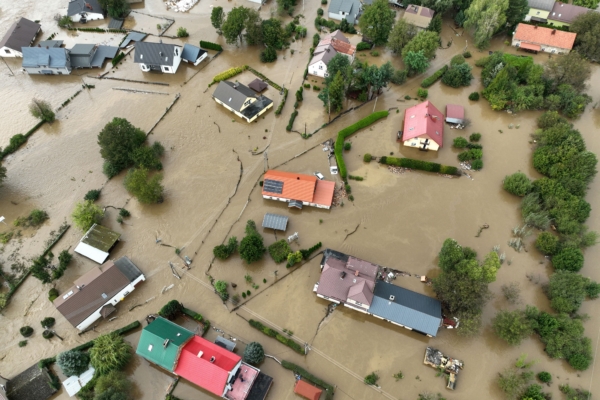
(40, 56)
(414, 310)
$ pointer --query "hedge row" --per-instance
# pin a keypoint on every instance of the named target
(291, 123)
(230, 73)
(118, 58)
(18, 140)
(307, 253)
(329, 389)
(98, 30)
(363, 46)
(274, 334)
(198, 317)
(210, 46)
(435, 77)
(344, 133)
(280, 106)
(420, 165)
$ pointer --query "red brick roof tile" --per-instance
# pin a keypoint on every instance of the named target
(544, 36)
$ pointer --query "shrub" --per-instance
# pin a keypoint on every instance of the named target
(48, 322)
(279, 250)
(512, 326)
(268, 55)
(422, 93)
(182, 32)
(211, 46)
(230, 73)
(171, 310)
(356, 178)
(371, 379)
(569, 259)
(307, 253)
(544, 377)
(317, 88)
(290, 124)
(117, 59)
(147, 189)
(320, 14)
(23, 343)
(124, 213)
(475, 137)
(92, 195)
(433, 78)
(323, 2)
(399, 77)
(26, 331)
(457, 59)
(363, 46)
(467, 54)
(109, 352)
(348, 188)
(367, 158)
(221, 288)
(547, 243)
(47, 334)
(73, 362)
(517, 184)
(374, 53)
(42, 110)
(115, 382)
(580, 362)
(458, 75)
(52, 294)
(474, 96)
(307, 85)
(347, 146)
(477, 165)
(254, 353)
(460, 142)
(223, 251)
(419, 164)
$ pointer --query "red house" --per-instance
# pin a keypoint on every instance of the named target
(298, 189)
(423, 127)
(307, 390)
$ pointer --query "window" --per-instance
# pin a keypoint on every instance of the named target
(538, 13)
(7, 51)
(167, 69)
(320, 67)
(176, 52)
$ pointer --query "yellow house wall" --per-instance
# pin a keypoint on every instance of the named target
(557, 23)
(534, 12)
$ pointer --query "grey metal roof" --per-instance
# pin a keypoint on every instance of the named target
(350, 7)
(128, 268)
(20, 34)
(84, 6)
(335, 6)
(82, 49)
(224, 343)
(414, 310)
(34, 57)
(274, 221)
(233, 94)
(50, 43)
(191, 53)
(541, 4)
(102, 53)
(115, 23)
(133, 37)
(81, 55)
(155, 53)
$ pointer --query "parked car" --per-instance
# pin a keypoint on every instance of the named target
(319, 175)
(333, 169)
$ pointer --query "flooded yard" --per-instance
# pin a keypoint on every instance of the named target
(400, 220)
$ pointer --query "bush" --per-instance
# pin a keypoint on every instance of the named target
(223, 251)
(73, 362)
(363, 46)
(86, 214)
(420, 165)
(272, 333)
(323, 2)
(252, 247)
(347, 146)
(26, 331)
(458, 75)
(317, 88)
(320, 14)
(279, 250)
(254, 353)
(221, 288)
(433, 78)
(422, 93)
(109, 352)
(475, 137)
(147, 189)
(544, 377)
(52, 294)
(92, 195)
(307, 85)
(117, 59)
(42, 110)
(547, 243)
(307, 253)
(517, 184)
(171, 310)
(474, 96)
(467, 54)
(457, 59)
(210, 46)
(290, 124)
(47, 334)
(268, 55)
(114, 383)
(512, 326)
(477, 165)
(124, 213)
(230, 73)
(399, 77)
(374, 53)
(182, 32)
(460, 142)
(23, 343)
(118, 140)
(371, 379)
(145, 157)
(293, 259)
(367, 158)
(580, 362)
(568, 259)
(48, 322)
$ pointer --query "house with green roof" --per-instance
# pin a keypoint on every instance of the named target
(161, 343)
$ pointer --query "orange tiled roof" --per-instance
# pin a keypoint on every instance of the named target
(343, 47)
(324, 193)
(295, 186)
(545, 36)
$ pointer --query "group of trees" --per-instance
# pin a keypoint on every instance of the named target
(115, 8)
(516, 381)
(459, 74)
(587, 28)
(417, 53)
(376, 22)
(520, 84)
(252, 247)
(487, 17)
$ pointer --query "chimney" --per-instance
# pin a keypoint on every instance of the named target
(213, 359)
(200, 353)
(356, 273)
(553, 31)
(535, 27)
(78, 287)
(166, 343)
(342, 274)
(392, 297)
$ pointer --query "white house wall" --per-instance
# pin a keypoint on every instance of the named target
(88, 17)
(545, 48)
(318, 69)
(7, 52)
(338, 17)
(201, 58)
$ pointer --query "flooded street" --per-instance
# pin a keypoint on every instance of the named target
(402, 219)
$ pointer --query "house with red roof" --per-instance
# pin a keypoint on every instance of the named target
(298, 189)
(536, 38)
(423, 127)
(307, 390)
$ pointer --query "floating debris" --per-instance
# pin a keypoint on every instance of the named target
(180, 6)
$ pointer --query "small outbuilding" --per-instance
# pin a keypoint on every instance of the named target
(193, 54)
(455, 114)
(307, 390)
(85, 10)
(31, 384)
(97, 243)
(275, 221)
(418, 16)
(21, 34)
(73, 384)
(258, 85)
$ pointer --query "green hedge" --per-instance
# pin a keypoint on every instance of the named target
(344, 133)
(210, 46)
(118, 58)
(363, 46)
(420, 165)
(280, 107)
(290, 124)
(274, 334)
(18, 140)
(329, 389)
(435, 77)
(120, 331)
(230, 73)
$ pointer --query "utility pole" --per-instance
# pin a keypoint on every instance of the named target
(376, 98)
(11, 72)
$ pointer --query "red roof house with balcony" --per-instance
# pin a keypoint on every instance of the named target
(423, 127)
(298, 189)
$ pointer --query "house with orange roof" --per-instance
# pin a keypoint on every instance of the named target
(298, 189)
(423, 127)
(536, 38)
(328, 47)
(307, 390)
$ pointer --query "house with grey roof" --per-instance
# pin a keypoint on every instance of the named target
(192, 54)
(241, 100)
(563, 14)
(91, 55)
(21, 34)
(330, 45)
(158, 57)
(539, 10)
(345, 9)
(46, 61)
(85, 10)
(31, 384)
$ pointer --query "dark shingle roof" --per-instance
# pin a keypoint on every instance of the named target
(128, 268)
(274, 221)
(566, 13)
(191, 53)
(154, 53)
(20, 34)
(31, 384)
(82, 6)
(260, 387)
(233, 94)
(34, 57)
(414, 310)
(133, 37)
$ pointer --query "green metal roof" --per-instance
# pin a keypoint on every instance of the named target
(161, 342)
(101, 238)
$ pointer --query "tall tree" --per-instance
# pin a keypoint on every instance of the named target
(42, 109)
(436, 24)
(272, 33)
(118, 140)
(376, 21)
(339, 63)
(234, 25)
(286, 6)
(416, 61)
(570, 68)
(217, 15)
(336, 92)
(402, 33)
(587, 28)
(379, 78)
(115, 8)
(485, 17)
(439, 6)
(516, 12)
(426, 41)
(254, 33)
(146, 189)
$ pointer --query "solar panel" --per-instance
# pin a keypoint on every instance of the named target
(272, 186)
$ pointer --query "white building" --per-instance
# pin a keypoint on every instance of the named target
(159, 57)
(241, 100)
(21, 34)
(85, 10)
(328, 47)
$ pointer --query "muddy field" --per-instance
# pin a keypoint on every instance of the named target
(401, 220)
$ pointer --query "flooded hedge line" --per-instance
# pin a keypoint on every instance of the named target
(344, 133)
(329, 389)
(434, 78)
(274, 334)
(420, 165)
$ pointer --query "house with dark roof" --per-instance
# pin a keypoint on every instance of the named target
(21, 34)
(85, 10)
(192, 54)
(31, 384)
(96, 293)
(539, 10)
(536, 38)
(157, 57)
(91, 55)
(357, 284)
(345, 9)
(97, 243)
(423, 127)
(298, 189)
(241, 100)
(418, 16)
(563, 14)
(258, 85)
(161, 343)
(332, 44)
(46, 61)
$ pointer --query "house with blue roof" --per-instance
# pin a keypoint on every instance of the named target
(345, 9)
(46, 61)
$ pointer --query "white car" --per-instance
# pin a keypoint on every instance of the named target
(333, 169)
(319, 175)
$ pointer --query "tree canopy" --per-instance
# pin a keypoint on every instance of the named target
(42, 110)
(512, 326)
(400, 35)
(254, 30)
(416, 62)
(254, 353)
(217, 15)
(426, 41)
(273, 35)
(485, 17)
(110, 352)
(118, 140)
(517, 184)
(115, 8)
(376, 21)
(567, 290)
(86, 214)
(234, 25)
(147, 189)
(252, 247)
(516, 12)
(570, 68)
(73, 362)
(458, 75)
(587, 28)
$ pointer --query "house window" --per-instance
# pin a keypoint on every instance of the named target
(176, 52)
(7, 51)
(320, 67)
(167, 69)
(538, 13)
(247, 102)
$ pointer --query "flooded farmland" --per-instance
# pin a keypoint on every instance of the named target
(400, 220)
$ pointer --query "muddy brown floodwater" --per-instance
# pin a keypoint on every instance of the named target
(402, 219)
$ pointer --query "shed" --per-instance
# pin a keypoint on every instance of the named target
(133, 37)
(307, 390)
(74, 383)
(31, 384)
(455, 114)
(224, 343)
(258, 85)
(276, 222)
(97, 243)
(115, 23)
(193, 54)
